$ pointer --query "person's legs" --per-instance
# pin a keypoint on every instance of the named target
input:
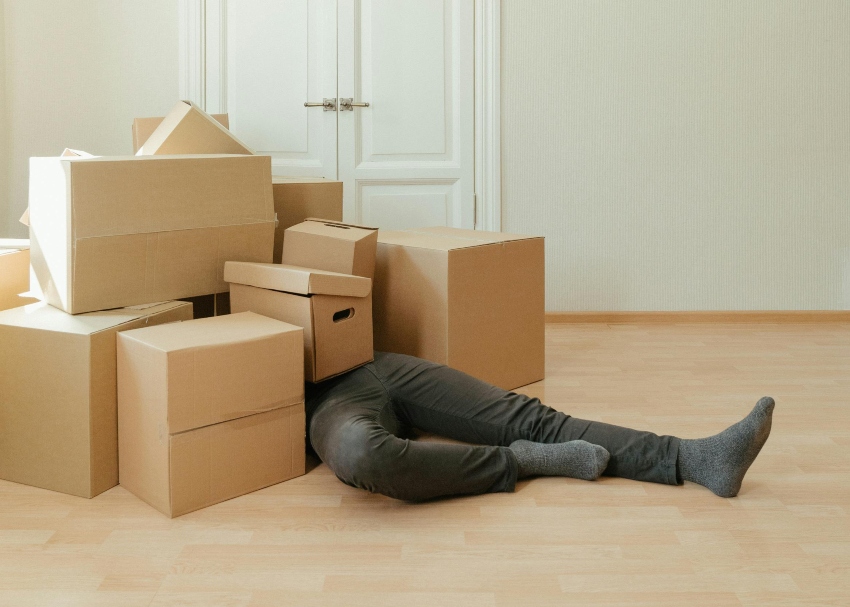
(447, 402)
(353, 430)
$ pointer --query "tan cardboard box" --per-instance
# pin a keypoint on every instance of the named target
(119, 231)
(299, 198)
(469, 299)
(187, 129)
(143, 128)
(14, 273)
(334, 309)
(332, 246)
(58, 410)
(209, 409)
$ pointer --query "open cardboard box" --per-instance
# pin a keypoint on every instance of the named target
(334, 309)
(143, 128)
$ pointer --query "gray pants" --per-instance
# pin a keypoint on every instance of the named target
(360, 424)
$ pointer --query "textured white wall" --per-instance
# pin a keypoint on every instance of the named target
(4, 129)
(681, 154)
(77, 73)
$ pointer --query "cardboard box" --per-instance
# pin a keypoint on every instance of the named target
(334, 309)
(187, 129)
(120, 231)
(469, 299)
(209, 409)
(143, 128)
(14, 273)
(331, 245)
(299, 198)
(58, 409)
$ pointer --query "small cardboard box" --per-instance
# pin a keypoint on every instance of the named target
(119, 231)
(299, 198)
(14, 273)
(469, 299)
(334, 309)
(332, 246)
(187, 129)
(209, 409)
(143, 128)
(58, 410)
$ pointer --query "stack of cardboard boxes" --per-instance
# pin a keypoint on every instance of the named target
(98, 382)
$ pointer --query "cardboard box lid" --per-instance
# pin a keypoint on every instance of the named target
(212, 331)
(445, 238)
(294, 279)
(187, 129)
(44, 317)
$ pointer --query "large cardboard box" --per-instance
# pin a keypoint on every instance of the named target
(209, 409)
(334, 309)
(331, 245)
(14, 273)
(143, 128)
(469, 299)
(298, 198)
(119, 231)
(187, 129)
(58, 427)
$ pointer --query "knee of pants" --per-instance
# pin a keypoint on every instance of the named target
(361, 454)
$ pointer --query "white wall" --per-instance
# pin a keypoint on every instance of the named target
(77, 73)
(681, 154)
(4, 129)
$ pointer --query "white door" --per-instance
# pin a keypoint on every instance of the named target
(407, 159)
(274, 56)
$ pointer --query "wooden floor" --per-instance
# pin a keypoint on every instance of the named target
(785, 540)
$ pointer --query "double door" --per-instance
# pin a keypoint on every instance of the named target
(375, 93)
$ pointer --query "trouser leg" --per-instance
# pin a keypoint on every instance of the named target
(447, 402)
(356, 433)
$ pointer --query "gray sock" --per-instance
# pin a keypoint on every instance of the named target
(576, 459)
(720, 462)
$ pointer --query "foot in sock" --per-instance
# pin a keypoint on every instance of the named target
(720, 462)
(576, 459)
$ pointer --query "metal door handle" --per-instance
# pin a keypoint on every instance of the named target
(329, 104)
(347, 104)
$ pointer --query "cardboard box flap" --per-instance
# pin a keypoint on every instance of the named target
(143, 128)
(212, 331)
(446, 239)
(189, 129)
(69, 153)
(294, 279)
(44, 317)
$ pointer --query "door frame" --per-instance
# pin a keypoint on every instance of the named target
(203, 78)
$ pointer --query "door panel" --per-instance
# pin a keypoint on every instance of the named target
(279, 54)
(412, 61)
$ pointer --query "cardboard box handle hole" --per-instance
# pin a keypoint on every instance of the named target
(343, 315)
